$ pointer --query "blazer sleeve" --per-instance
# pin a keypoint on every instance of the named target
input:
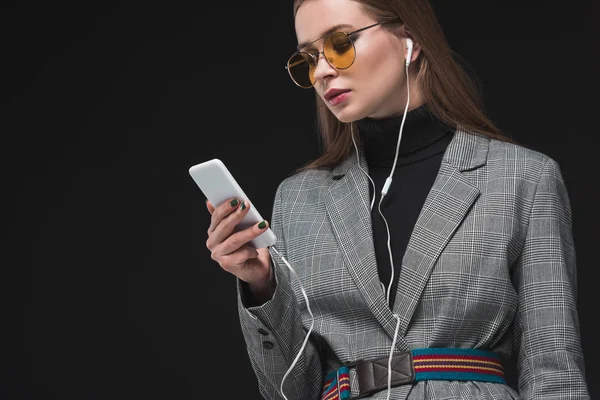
(274, 332)
(550, 361)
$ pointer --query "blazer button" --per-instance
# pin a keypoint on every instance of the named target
(262, 331)
(268, 345)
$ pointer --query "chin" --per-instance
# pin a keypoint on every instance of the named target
(347, 114)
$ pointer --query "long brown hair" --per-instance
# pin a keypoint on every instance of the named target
(451, 94)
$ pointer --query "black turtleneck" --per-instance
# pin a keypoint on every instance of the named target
(422, 146)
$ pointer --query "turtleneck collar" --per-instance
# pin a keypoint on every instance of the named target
(379, 136)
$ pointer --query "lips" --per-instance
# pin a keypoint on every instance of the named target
(329, 94)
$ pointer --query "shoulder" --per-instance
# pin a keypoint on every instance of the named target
(501, 165)
(469, 151)
(519, 159)
(515, 151)
(307, 181)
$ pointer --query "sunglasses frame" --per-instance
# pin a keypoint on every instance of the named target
(315, 57)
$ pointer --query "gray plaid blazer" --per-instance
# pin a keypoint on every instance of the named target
(490, 265)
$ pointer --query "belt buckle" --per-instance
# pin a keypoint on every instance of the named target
(371, 372)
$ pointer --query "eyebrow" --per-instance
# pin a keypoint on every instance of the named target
(327, 32)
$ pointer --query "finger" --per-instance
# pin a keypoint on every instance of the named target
(210, 207)
(234, 262)
(227, 226)
(221, 212)
(241, 238)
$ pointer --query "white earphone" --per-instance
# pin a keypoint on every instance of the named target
(409, 47)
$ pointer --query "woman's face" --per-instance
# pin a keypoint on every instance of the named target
(375, 84)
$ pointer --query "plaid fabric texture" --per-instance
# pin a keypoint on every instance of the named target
(490, 265)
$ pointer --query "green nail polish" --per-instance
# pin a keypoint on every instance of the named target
(262, 225)
(234, 202)
(243, 205)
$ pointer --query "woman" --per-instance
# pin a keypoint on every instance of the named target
(468, 257)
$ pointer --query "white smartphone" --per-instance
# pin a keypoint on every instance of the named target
(218, 185)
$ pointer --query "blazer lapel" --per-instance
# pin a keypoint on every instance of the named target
(447, 204)
(348, 205)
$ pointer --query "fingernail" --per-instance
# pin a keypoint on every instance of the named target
(243, 206)
(205, 201)
(262, 225)
(234, 202)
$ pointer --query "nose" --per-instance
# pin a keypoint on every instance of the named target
(323, 69)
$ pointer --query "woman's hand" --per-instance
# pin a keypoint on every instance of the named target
(234, 255)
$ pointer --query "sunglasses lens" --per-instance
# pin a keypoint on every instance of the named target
(301, 67)
(339, 50)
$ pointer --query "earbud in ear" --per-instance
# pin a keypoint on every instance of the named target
(409, 49)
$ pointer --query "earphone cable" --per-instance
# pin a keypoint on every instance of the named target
(383, 193)
(312, 322)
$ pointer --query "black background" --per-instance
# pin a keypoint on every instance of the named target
(108, 288)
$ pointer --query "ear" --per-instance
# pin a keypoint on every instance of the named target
(406, 33)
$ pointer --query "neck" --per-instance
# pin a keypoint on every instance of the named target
(379, 136)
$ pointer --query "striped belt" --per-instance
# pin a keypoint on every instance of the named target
(450, 364)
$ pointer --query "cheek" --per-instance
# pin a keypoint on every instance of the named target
(377, 70)
(378, 62)
(366, 63)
